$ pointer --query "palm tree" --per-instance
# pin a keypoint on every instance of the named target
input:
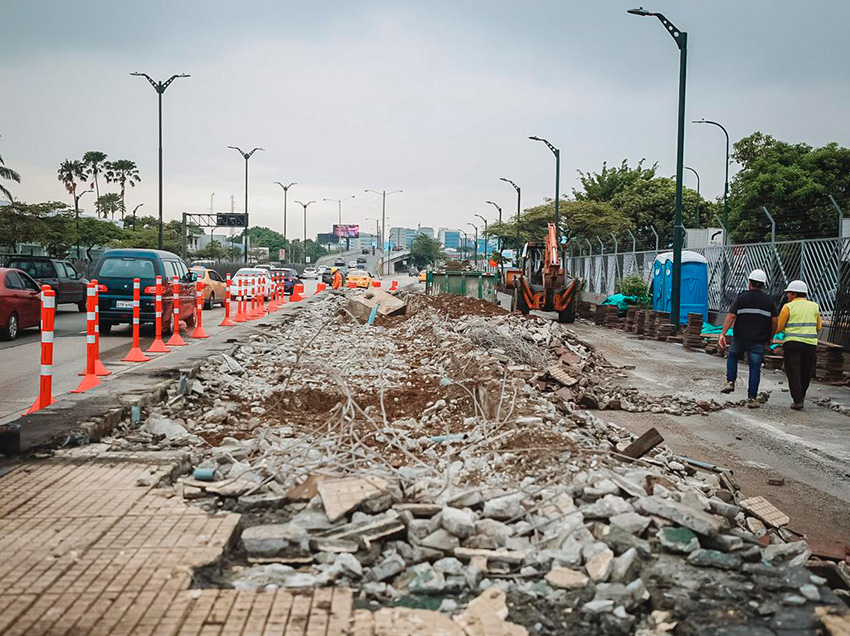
(9, 175)
(109, 204)
(122, 171)
(71, 171)
(92, 162)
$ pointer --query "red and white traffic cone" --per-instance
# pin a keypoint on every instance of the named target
(281, 291)
(98, 365)
(199, 312)
(240, 301)
(226, 321)
(252, 312)
(158, 345)
(90, 380)
(376, 283)
(45, 383)
(136, 354)
(394, 285)
(275, 303)
(175, 340)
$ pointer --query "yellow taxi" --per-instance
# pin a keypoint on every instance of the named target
(214, 285)
(423, 275)
(360, 277)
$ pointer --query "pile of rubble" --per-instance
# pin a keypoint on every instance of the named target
(437, 457)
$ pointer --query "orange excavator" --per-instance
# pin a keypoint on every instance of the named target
(542, 281)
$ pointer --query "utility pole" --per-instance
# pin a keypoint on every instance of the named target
(77, 198)
(518, 206)
(500, 222)
(160, 87)
(557, 154)
(698, 195)
(339, 211)
(285, 192)
(305, 205)
(384, 194)
(246, 156)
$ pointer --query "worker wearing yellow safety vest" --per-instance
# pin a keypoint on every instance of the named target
(800, 320)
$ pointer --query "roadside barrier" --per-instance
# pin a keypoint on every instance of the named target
(376, 283)
(320, 287)
(226, 321)
(199, 312)
(281, 291)
(158, 345)
(351, 284)
(90, 380)
(45, 384)
(240, 301)
(297, 293)
(175, 340)
(394, 285)
(98, 365)
(264, 286)
(252, 312)
(274, 305)
(135, 354)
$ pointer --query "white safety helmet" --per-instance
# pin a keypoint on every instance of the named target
(758, 276)
(798, 287)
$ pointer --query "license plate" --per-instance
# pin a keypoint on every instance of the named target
(123, 304)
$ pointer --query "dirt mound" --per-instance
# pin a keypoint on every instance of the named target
(449, 305)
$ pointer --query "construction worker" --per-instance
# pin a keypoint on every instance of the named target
(754, 315)
(800, 320)
(337, 282)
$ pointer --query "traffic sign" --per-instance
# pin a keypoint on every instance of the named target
(231, 220)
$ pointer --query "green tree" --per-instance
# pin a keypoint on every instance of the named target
(608, 182)
(794, 182)
(9, 175)
(93, 163)
(108, 204)
(59, 232)
(25, 222)
(122, 172)
(425, 250)
(71, 171)
(98, 233)
(145, 235)
(214, 250)
(264, 237)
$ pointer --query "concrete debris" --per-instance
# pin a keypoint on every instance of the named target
(431, 457)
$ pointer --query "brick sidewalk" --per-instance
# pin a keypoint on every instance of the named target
(86, 550)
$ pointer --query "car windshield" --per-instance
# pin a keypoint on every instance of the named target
(250, 271)
(126, 267)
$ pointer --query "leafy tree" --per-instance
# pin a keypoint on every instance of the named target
(71, 171)
(25, 222)
(122, 172)
(425, 250)
(108, 204)
(794, 182)
(213, 250)
(146, 235)
(264, 237)
(59, 232)
(9, 175)
(93, 163)
(607, 183)
(98, 233)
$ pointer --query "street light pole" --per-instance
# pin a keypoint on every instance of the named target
(384, 194)
(134, 214)
(698, 195)
(518, 206)
(726, 184)
(557, 154)
(160, 87)
(304, 205)
(246, 155)
(475, 245)
(681, 39)
(500, 221)
(339, 210)
(485, 234)
(285, 192)
(77, 198)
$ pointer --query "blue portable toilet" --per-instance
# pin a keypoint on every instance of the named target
(694, 287)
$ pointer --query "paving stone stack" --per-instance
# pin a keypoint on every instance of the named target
(829, 366)
(631, 317)
(651, 319)
(692, 336)
(640, 322)
(663, 327)
(612, 317)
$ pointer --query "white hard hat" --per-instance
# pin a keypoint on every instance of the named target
(798, 287)
(759, 276)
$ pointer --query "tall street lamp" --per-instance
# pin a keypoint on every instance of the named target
(518, 206)
(77, 198)
(246, 156)
(496, 205)
(465, 243)
(134, 214)
(304, 205)
(339, 210)
(726, 184)
(698, 196)
(681, 39)
(285, 192)
(485, 234)
(160, 87)
(384, 194)
(557, 154)
(475, 244)
(377, 229)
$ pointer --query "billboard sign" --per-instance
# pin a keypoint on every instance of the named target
(347, 231)
(231, 220)
(281, 255)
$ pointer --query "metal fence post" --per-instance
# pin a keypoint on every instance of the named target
(772, 224)
(840, 216)
(652, 227)
(803, 260)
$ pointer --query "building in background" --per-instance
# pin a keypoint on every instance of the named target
(365, 241)
(427, 231)
(402, 237)
(449, 238)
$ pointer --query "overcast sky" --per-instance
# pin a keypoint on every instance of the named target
(433, 97)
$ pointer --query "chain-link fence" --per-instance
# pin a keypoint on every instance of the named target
(821, 263)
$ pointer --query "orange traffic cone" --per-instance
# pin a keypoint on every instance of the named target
(394, 285)
(45, 383)
(320, 287)
(158, 345)
(136, 354)
(227, 321)
(90, 380)
(175, 340)
(199, 312)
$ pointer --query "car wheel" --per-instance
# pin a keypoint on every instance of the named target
(190, 320)
(104, 327)
(10, 331)
(210, 301)
(166, 327)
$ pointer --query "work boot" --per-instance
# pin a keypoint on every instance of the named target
(797, 406)
(753, 403)
(728, 388)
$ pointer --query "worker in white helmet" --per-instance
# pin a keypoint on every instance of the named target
(753, 314)
(800, 320)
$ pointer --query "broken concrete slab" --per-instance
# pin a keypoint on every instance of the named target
(341, 496)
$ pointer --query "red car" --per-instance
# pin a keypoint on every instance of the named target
(20, 302)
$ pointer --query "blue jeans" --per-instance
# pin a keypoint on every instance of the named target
(755, 356)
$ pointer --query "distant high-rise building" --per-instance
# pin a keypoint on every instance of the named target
(402, 237)
(427, 231)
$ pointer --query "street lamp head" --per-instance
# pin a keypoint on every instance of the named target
(641, 12)
(535, 138)
(699, 121)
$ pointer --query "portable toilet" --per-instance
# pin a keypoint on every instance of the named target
(694, 286)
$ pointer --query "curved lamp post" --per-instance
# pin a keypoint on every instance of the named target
(246, 156)
(384, 194)
(698, 195)
(518, 206)
(557, 154)
(304, 205)
(726, 184)
(285, 192)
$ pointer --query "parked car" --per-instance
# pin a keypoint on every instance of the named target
(214, 285)
(309, 272)
(69, 285)
(339, 262)
(365, 250)
(115, 272)
(361, 260)
(20, 302)
(290, 279)
(250, 277)
(361, 277)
